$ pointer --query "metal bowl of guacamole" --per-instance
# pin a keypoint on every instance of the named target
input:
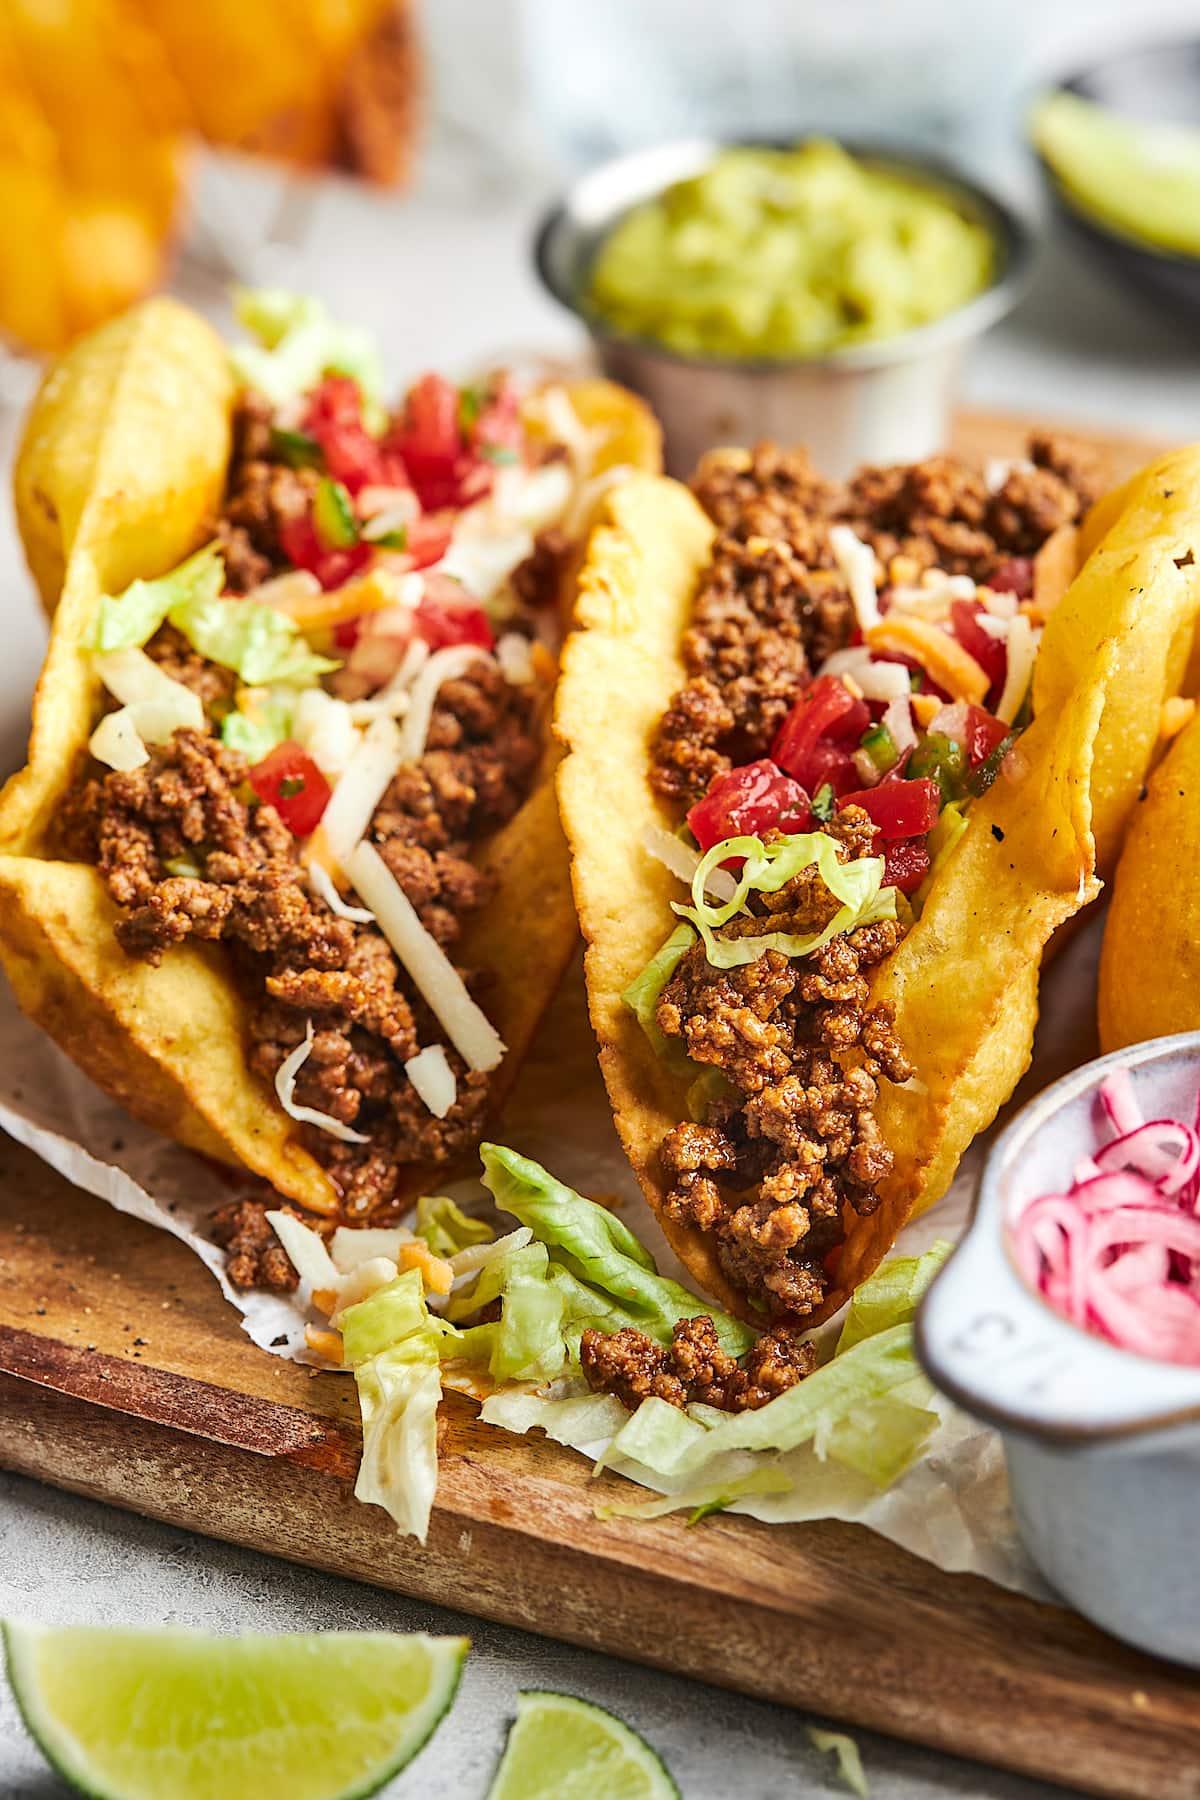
(818, 293)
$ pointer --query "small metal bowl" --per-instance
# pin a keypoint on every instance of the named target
(879, 402)
(1102, 1445)
(1157, 82)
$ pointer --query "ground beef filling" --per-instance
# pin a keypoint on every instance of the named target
(790, 1150)
(187, 853)
(771, 606)
(694, 1366)
(261, 495)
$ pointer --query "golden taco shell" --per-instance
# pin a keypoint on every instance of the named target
(120, 475)
(964, 979)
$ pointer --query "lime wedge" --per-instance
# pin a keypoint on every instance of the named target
(138, 1715)
(565, 1749)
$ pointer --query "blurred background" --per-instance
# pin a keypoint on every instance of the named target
(392, 155)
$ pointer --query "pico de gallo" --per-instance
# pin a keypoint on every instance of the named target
(307, 729)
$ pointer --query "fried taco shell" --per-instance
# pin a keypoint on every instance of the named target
(120, 476)
(963, 980)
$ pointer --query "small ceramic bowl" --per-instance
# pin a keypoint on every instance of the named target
(1103, 1446)
(880, 402)
(1156, 82)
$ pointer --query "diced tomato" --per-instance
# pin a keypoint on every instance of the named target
(905, 864)
(825, 718)
(747, 802)
(498, 426)
(429, 440)
(1014, 577)
(303, 548)
(427, 541)
(333, 415)
(982, 735)
(989, 652)
(288, 779)
(900, 809)
(448, 614)
(347, 632)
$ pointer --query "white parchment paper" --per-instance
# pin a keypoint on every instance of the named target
(952, 1508)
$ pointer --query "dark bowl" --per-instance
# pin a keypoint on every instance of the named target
(1158, 83)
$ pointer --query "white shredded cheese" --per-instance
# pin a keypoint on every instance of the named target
(397, 515)
(1022, 652)
(514, 653)
(285, 1087)
(465, 1024)
(847, 662)
(683, 861)
(897, 721)
(349, 1247)
(883, 681)
(577, 516)
(362, 786)
(483, 558)
(325, 728)
(305, 1249)
(993, 624)
(443, 665)
(856, 561)
(537, 497)
(433, 1079)
(1002, 605)
(282, 590)
(325, 888)
(477, 1256)
(117, 742)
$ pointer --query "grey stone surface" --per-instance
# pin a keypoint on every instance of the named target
(63, 1559)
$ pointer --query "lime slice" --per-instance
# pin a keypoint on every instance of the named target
(565, 1749)
(138, 1715)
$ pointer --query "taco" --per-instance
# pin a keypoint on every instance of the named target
(886, 736)
(284, 873)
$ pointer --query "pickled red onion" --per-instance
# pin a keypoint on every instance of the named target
(1118, 1252)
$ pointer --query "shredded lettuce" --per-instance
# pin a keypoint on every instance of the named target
(131, 619)
(617, 1274)
(643, 994)
(262, 646)
(858, 885)
(703, 1501)
(384, 1319)
(446, 1228)
(259, 722)
(891, 1295)
(849, 1759)
(299, 342)
(398, 1394)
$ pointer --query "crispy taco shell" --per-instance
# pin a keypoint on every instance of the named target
(964, 980)
(120, 474)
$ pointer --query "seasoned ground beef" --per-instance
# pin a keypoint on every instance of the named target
(538, 581)
(187, 852)
(256, 1258)
(771, 607)
(214, 685)
(694, 1366)
(261, 493)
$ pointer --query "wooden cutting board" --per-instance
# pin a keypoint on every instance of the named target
(124, 1376)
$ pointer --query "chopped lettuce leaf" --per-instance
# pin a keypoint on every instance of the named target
(642, 997)
(849, 1760)
(386, 1318)
(446, 1228)
(261, 645)
(702, 1500)
(398, 1393)
(591, 1244)
(657, 1435)
(891, 1295)
(132, 617)
(258, 724)
(858, 885)
(299, 342)
(881, 1439)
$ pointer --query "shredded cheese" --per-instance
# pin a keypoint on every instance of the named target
(305, 1250)
(443, 665)
(325, 888)
(433, 1079)
(361, 788)
(515, 657)
(325, 1344)
(856, 562)
(439, 983)
(285, 1087)
(436, 1273)
(683, 861)
(942, 657)
(1022, 651)
(363, 1280)
(349, 1246)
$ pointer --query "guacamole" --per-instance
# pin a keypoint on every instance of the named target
(1140, 180)
(788, 253)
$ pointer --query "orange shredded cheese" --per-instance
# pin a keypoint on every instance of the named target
(942, 657)
(372, 592)
(325, 1343)
(925, 709)
(437, 1274)
(325, 1300)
